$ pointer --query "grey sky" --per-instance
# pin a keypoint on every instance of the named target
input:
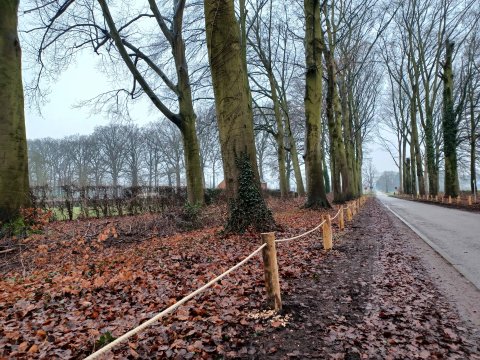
(83, 80)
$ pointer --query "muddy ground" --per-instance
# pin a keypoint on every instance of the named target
(380, 294)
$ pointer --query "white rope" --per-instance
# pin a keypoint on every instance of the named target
(301, 235)
(142, 326)
(338, 213)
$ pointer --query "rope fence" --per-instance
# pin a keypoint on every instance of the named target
(170, 309)
(270, 265)
(301, 235)
(468, 200)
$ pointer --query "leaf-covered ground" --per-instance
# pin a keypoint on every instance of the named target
(79, 282)
(84, 279)
(371, 298)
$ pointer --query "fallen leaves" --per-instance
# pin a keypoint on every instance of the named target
(369, 300)
(80, 287)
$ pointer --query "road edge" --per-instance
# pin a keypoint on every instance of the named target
(430, 243)
(463, 295)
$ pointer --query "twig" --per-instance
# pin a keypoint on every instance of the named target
(24, 272)
(86, 231)
(6, 251)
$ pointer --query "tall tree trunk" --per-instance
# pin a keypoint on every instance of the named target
(413, 174)
(348, 138)
(403, 160)
(184, 119)
(292, 143)
(408, 177)
(359, 156)
(316, 196)
(326, 176)
(247, 207)
(191, 147)
(193, 167)
(450, 128)
(134, 176)
(430, 154)
(279, 137)
(473, 142)
(337, 146)
(294, 155)
(416, 144)
(14, 186)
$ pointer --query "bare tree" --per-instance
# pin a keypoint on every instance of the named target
(71, 26)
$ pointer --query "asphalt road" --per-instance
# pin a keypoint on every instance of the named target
(454, 234)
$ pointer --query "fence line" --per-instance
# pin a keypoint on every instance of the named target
(309, 231)
(268, 279)
(171, 308)
(301, 235)
(338, 213)
(467, 200)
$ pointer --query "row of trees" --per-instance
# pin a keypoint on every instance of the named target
(261, 57)
(268, 38)
(121, 154)
(432, 58)
(126, 154)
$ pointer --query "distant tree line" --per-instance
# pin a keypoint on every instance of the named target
(432, 57)
(120, 154)
(123, 153)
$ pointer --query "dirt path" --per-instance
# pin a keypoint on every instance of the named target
(375, 296)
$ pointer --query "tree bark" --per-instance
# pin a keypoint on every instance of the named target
(416, 144)
(14, 185)
(316, 196)
(349, 139)
(193, 167)
(342, 192)
(450, 128)
(294, 155)
(473, 142)
(235, 119)
(186, 118)
(280, 136)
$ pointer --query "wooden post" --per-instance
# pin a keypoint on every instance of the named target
(469, 200)
(349, 214)
(270, 267)
(327, 233)
(341, 220)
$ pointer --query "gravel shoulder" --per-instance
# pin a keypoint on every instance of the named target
(382, 293)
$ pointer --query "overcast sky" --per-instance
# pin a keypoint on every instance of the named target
(83, 80)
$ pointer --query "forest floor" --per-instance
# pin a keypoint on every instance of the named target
(72, 288)
(379, 295)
